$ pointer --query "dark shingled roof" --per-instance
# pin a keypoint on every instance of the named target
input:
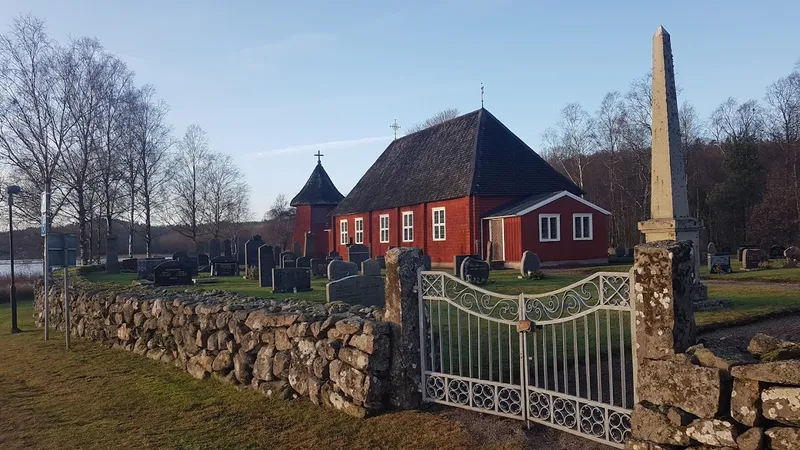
(319, 190)
(473, 154)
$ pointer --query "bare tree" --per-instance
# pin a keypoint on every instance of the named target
(783, 115)
(225, 195)
(610, 124)
(191, 168)
(440, 117)
(734, 122)
(571, 142)
(151, 138)
(281, 222)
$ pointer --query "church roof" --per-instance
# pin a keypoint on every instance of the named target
(319, 190)
(473, 154)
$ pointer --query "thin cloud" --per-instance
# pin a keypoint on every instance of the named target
(288, 45)
(333, 145)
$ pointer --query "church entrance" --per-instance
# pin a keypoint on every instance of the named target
(496, 235)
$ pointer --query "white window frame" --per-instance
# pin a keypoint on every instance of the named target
(343, 237)
(409, 228)
(383, 225)
(549, 217)
(440, 226)
(582, 216)
(358, 231)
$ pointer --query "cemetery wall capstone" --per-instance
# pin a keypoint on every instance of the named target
(334, 357)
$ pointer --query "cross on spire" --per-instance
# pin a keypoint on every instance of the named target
(481, 94)
(395, 126)
(319, 156)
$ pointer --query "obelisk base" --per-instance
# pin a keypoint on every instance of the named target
(682, 229)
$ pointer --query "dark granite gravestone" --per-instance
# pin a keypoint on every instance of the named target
(302, 262)
(276, 250)
(266, 263)
(371, 268)
(620, 252)
(357, 290)
(144, 267)
(172, 273)
(629, 253)
(251, 251)
(112, 255)
(191, 263)
(227, 251)
(203, 263)
(357, 253)
(457, 263)
(179, 254)
(224, 267)
(309, 249)
(334, 254)
(752, 257)
(297, 248)
(319, 267)
(202, 247)
(214, 248)
(382, 261)
(725, 250)
(129, 265)
(776, 252)
(426, 262)
(292, 279)
(288, 260)
(719, 263)
(530, 263)
(241, 251)
(475, 271)
(339, 269)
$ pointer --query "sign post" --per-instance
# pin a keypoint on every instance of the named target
(62, 249)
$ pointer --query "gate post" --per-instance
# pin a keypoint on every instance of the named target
(403, 316)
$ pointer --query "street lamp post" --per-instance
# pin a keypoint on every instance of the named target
(11, 190)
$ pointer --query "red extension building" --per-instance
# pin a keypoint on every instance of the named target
(451, 188)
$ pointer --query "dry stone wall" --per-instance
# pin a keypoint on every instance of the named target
(694, 397)
(335, 355)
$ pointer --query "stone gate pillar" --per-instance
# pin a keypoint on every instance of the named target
(402, 314)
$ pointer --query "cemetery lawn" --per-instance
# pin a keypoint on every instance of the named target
(95, 398)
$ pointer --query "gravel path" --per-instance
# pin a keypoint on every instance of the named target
(787, 328)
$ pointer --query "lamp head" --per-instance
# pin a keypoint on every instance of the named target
(13, 189)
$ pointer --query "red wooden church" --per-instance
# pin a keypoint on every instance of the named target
(451, 188)
(312, 205)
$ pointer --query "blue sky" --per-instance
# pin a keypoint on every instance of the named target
(272, 82)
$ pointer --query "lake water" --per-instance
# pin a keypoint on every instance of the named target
(21, 267)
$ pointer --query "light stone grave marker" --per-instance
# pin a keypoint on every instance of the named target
(339, 269)
(371, 268)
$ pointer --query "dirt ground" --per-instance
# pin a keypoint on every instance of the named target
(492, 431)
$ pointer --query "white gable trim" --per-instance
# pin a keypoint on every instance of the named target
(553, 198)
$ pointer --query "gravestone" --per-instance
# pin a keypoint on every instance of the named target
(179, 254)
(612, 252)
(191, 262)
(241, 252)
(172, 273)
(711, 249)
(297, 248)
(792, 254)
(776, 251)
(751, 257)
(214, 248)
(357, 253)
(620, 252)
(266, 262)
(309, 249)
(224, 267)
(226, 249)
(319, 267)
(251, 251)
(144, 267)
(112, 256)
(277, 255)
(457, 263)
(530, 263)
(475, 271)
(338, 269)
(719, 263)
(382, 261)
(303, 262)
(291, 279)
(426, 262)
(357, 290)
(371, 268)
(202, 247)
(288, 259)
(203, 262)
(129, 265)
(334, 254)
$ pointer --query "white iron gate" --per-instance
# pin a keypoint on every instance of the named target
(564, 358)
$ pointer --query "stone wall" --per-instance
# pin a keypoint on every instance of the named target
(335, 355)
(689, 396)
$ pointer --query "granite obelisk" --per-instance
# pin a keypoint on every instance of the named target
(669, 199)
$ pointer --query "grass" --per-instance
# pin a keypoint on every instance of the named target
(749, 302)
(93, 397)
(24, 284)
